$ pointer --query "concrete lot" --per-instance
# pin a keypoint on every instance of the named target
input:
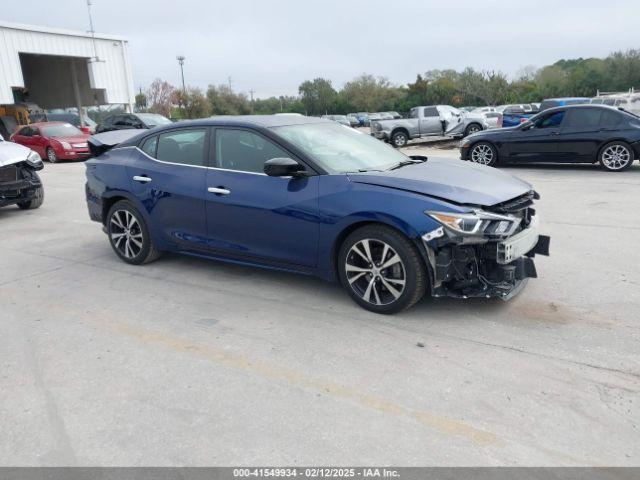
(195, 362)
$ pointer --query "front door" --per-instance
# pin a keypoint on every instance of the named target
(537, 142)
(255, 217)
(430, 122)
(168, 177)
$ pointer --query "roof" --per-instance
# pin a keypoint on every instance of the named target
(58, 31)
(253, 120)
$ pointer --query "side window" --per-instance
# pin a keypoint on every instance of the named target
(34, 131)
(551, 121)
(583, 118)
(245, 151)
(413, 113)
(610, 119)
(431, 112)
(25, 132)
(120, 120)
(149, 146)
(182, 146)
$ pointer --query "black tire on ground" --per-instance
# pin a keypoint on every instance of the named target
(130, 239)
(483, 153)
(35, 202)
(616, 156)
(51, 155)
(407, 279)
(472, 128)
(399, 139)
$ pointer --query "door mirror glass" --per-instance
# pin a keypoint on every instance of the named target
(282, 167)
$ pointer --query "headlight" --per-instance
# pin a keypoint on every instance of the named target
(65, 145)
(34, 159)
(477, 223)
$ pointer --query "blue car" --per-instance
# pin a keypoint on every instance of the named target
(310, 196)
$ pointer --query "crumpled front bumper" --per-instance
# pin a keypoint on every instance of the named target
(490, 269)
(21, 190)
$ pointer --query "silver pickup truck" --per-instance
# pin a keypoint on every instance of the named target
(428, 121)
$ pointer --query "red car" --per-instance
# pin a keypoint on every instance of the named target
(54, 140)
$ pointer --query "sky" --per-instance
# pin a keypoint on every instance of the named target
(271, 46)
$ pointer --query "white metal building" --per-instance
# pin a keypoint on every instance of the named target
(62, 68)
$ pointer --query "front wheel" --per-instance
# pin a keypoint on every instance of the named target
(381, 269)
(484, 153)
(36, 201)
(616, 156)
(399, 139)
(51, 155)
(129, 235)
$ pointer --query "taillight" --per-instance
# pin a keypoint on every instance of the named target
(522, 120)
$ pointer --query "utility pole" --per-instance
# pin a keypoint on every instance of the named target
(251, 92)
(229, 78)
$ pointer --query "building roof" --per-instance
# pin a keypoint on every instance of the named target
(58, 31)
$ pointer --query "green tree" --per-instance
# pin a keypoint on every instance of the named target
(224, 101)
(317, 96)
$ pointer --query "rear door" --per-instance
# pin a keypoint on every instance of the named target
(167, 175)
(539, 142)
(430, 123)
(583, 131)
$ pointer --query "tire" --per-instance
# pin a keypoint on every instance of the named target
(51, 155)
(472, 128)
(399, 139)
(381, 290)
(484, 153)
(129, 235)
(616, 156)
(35, 202)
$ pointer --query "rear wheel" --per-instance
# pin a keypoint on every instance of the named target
(472, 128)
(51, 155)
(484, 153)
(399, 139)
(129, 235)
(616, 156)
(381, 269)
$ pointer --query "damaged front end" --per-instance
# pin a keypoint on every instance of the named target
(19, 182)
(487, 252)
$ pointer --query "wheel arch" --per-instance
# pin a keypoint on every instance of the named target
(109, 200)
(404, 130)
(614, 140)
(383, 220)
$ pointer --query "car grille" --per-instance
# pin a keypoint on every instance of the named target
(8, 174)
(518, 207)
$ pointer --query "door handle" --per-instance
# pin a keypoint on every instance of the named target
(143, 179)
(218, 190)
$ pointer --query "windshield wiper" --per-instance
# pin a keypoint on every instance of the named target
(404, 163)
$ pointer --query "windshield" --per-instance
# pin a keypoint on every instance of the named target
(340, 150)
(152, 119)
(61, 130)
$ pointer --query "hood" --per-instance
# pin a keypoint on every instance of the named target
(454, 180)
(11, 153)
(73, 139)
(494, 132)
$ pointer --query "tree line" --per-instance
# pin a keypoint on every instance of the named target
(469, 87)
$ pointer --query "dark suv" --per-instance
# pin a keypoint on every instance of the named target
(128, 121)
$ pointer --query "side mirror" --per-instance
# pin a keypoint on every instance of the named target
(282, 167)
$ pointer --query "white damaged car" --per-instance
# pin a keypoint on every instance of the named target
(20, 183)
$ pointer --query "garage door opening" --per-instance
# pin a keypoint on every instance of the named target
(53, 81)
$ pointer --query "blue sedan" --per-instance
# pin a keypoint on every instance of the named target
(310, 196)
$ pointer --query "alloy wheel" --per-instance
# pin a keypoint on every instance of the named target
(482, 154)
(473, 129)
(400, 140)
(616, 157)
(51, 155)
(125, 233)
(375, 272)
